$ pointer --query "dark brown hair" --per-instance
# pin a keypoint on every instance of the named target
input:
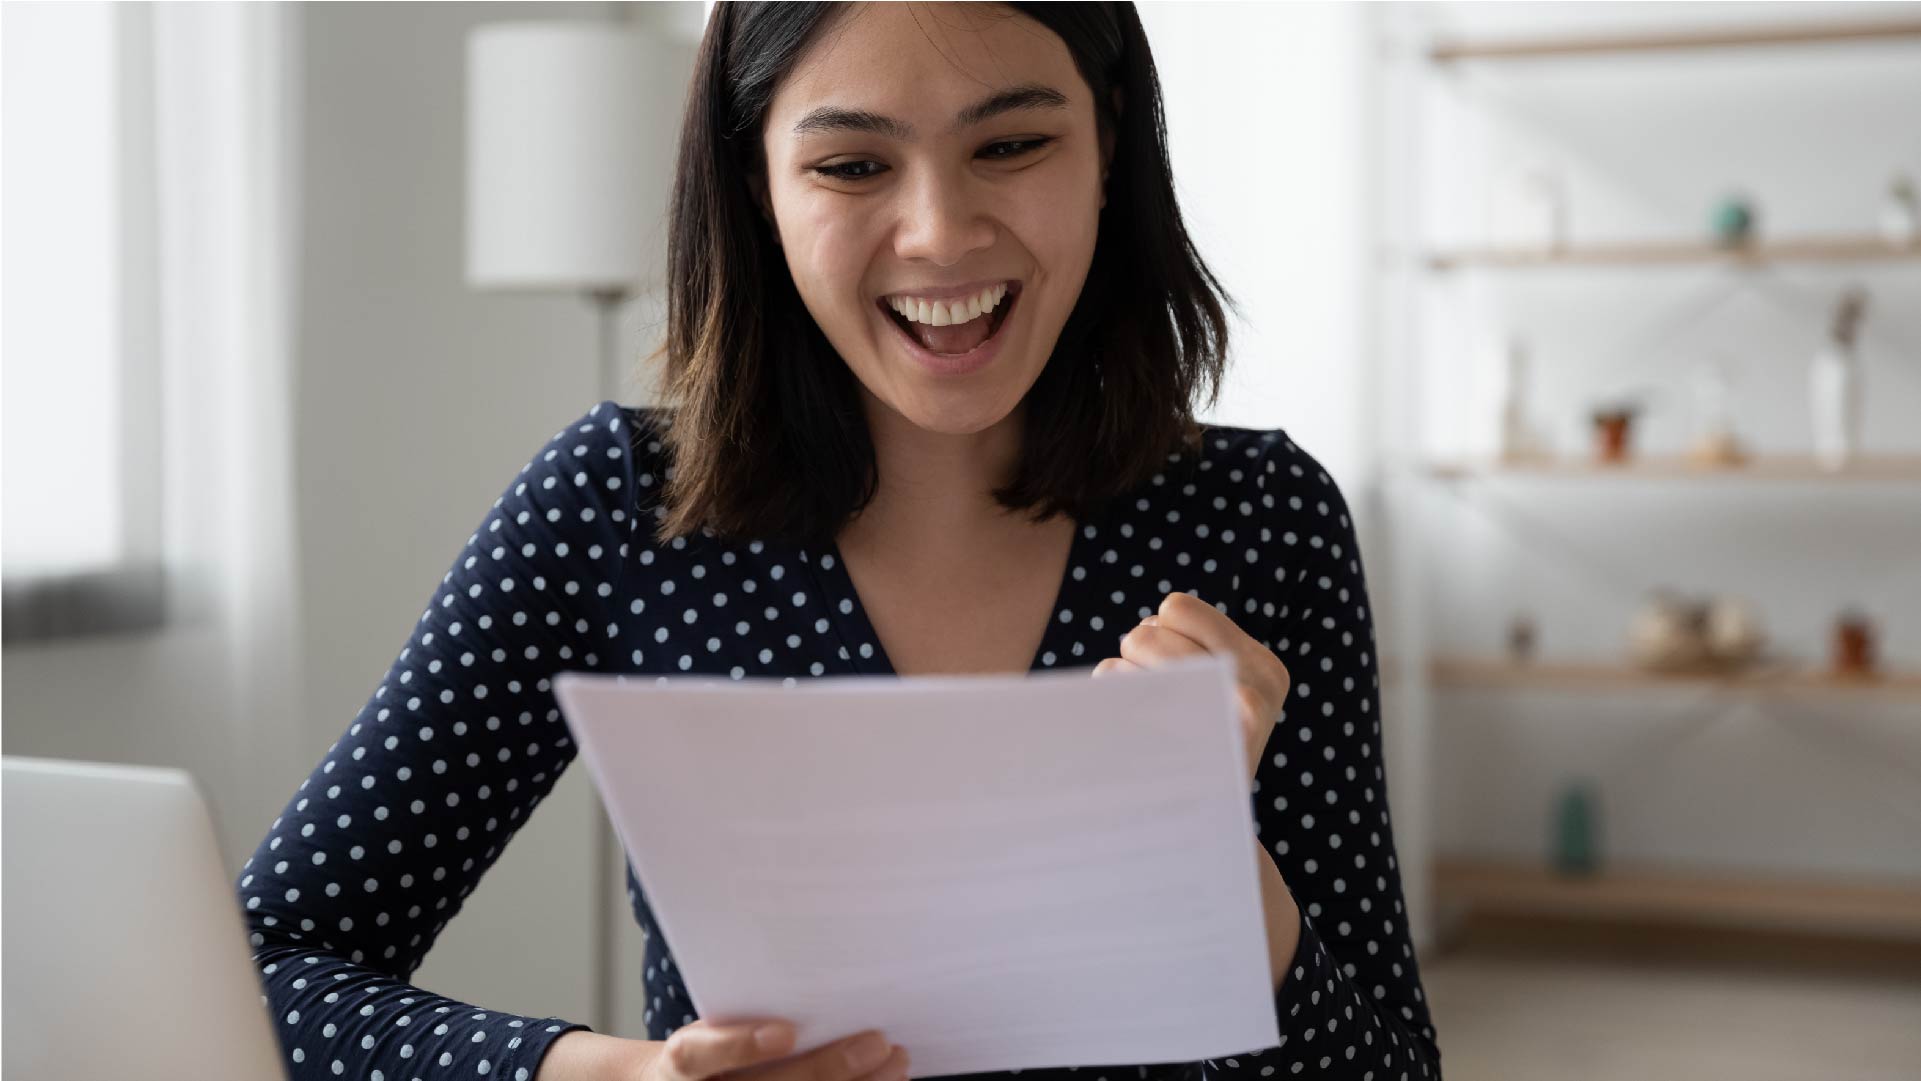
(764, 428)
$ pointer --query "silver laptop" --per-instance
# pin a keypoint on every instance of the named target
(125, 952)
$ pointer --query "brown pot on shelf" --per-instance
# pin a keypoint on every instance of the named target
(1853, 645)
(1612, 428)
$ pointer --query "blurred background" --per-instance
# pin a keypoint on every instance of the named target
(1605, 317)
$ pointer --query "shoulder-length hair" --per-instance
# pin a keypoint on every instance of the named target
(764, 427)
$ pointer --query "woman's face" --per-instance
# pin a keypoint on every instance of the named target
(886, 179)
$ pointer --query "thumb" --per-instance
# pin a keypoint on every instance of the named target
(701, 1050)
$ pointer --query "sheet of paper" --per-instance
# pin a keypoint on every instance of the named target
(997, 872)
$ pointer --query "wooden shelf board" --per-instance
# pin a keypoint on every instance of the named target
(1898, 467)
(1811, 34)
(1887, 907)
(1498, 673)
(1836, 249)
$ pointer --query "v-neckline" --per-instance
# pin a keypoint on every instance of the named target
(855, 627)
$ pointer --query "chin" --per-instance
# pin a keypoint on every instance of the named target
(954, 411)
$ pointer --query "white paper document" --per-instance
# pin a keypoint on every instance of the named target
(998, 872)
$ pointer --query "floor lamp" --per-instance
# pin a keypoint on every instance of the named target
(568, 145)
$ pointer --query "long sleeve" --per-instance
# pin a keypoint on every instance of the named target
(1351, 1005)
(461, 740)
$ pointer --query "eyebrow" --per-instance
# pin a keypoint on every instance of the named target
(830, 118)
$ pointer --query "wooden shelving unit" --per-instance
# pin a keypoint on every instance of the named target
(1807, 34)
(1885, 908)
(1642, 254)
(1898, 468)
(1495, 673)
(1882, 912)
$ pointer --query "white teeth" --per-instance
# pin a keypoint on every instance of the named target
(940, 313)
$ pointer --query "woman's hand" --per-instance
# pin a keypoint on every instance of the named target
(741, 1051)
(1187, 626)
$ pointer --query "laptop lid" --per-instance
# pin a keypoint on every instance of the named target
(125, 955)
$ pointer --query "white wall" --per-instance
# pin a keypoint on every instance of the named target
(417, 400)
(1648, 143)
(1265, 108)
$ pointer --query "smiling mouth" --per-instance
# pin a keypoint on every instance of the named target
(996, 318)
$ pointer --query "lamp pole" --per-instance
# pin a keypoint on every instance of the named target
(607, 303)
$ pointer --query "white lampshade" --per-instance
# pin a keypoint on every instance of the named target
(570, 138)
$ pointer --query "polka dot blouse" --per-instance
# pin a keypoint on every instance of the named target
(462, 739)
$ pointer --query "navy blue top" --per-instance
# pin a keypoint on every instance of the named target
(460, 742)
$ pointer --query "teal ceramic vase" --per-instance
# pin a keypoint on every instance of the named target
(1577, 849)
(1733, 221)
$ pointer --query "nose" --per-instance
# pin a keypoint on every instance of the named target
(943, 220)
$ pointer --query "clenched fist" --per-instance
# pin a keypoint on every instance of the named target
(1187, 626)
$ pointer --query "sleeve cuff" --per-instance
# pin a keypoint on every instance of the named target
(531, 1045)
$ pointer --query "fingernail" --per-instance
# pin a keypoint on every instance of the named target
(1152, 621)
(768, 1037)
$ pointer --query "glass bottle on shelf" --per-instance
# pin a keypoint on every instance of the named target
(1520, 439)
(1834, 386)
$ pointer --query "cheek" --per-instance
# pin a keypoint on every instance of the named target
(828, 257)
(1060, 210)
(1059, 235)
(1053, 236)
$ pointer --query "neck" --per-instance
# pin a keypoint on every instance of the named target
(935, 488)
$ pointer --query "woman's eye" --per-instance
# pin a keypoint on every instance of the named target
(1021, 146)
(837, 172)
(1013, 148)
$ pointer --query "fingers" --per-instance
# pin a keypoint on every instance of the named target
(1186, 626)
(1217, 633)
(703, 1049)
(1150, 644)
(1196, 619)
(893, 1069)
(847, 1059)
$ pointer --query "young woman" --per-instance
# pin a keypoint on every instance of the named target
(936, 336)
